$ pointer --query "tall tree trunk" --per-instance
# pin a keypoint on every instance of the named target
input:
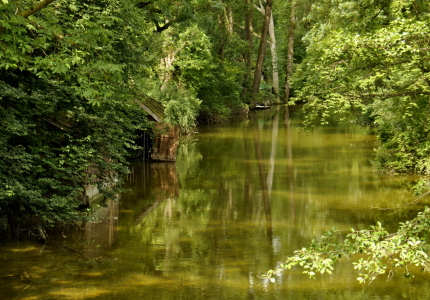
(229, 19)
(290, 51)
(273, 52)
(275, 73)
(248, 54)
(261, 52)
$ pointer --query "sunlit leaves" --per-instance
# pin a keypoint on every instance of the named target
(380, 251)
(65, 104)
(378, 77)
(194, 60)
(182, 110)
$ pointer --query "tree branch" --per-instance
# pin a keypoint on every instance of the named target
(252, 31)
(42, 4)
(260, 8)
(161, 28)
(144, 4)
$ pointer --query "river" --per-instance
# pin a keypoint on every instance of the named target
(240, 198)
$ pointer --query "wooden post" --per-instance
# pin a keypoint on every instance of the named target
(165, 145)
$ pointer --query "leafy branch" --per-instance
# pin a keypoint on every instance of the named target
(381, 251)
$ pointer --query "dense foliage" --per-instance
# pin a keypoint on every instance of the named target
(65, 106)
(368, 61)
(70, 72)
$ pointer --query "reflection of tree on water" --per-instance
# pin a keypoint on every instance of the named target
(93, 238)
(274, 146)
(149, 184)
(263, 181)
(159, 179)
(266, 166)
(102, 233)
(290, 171)
(240, 209)
(164, 185)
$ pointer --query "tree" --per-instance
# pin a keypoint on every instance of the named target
(32, 10)
(381, 251)
(248, 15)
(206, 60)
(273, 52)
(70, 72)
(66, 106)
(290, 52)
(261, 53)
(369, 60)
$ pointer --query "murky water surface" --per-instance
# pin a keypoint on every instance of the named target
(239, 199)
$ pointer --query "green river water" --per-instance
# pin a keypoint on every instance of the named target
(240, 198)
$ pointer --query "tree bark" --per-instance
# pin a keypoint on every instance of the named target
(261, 53)
(275, 73)
(229, 19)
(290, 52)
(248, 54)
(228, 23)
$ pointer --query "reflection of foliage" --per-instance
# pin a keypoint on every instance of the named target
(212, 241)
